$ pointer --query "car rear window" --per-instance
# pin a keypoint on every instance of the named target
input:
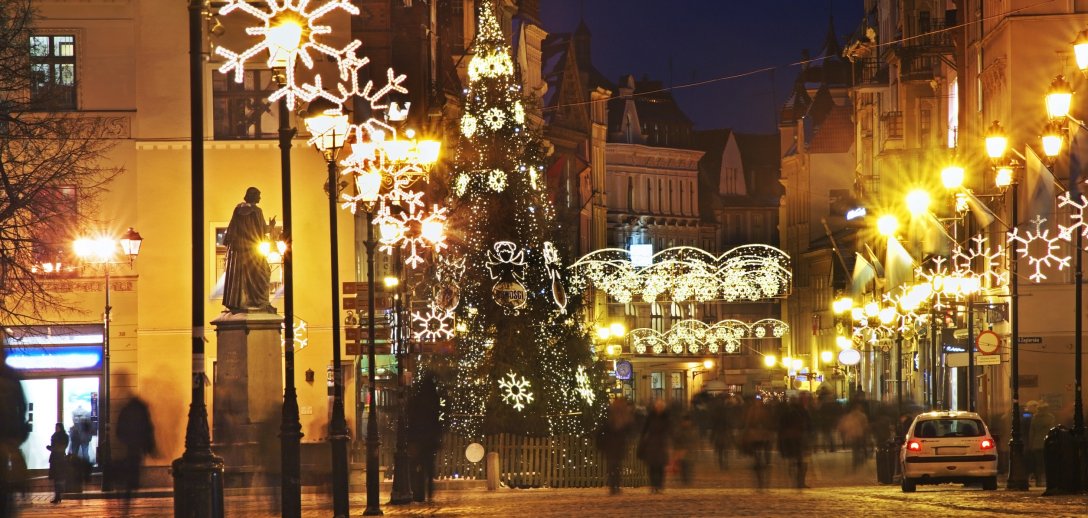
(934, 428)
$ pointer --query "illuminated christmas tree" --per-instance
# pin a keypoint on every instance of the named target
(523, 361)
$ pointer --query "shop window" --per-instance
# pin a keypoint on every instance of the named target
(53, 71)
(657, 385)
(55, 217)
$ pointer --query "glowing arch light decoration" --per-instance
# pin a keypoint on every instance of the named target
(745, 273)
(697, 337)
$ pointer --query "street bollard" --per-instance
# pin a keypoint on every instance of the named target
(492, 471)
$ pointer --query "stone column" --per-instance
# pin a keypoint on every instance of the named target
(248, 394)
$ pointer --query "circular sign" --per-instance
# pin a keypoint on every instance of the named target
(988, 342)
(510, 294)
(849, 357)
(623, 370)
(474, 452)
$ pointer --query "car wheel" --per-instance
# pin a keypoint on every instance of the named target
(989, 484)
(908, 485)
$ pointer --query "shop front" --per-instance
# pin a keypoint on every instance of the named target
(60, 369)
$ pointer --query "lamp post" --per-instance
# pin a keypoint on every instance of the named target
(329, 129)
(1059, 98)
(101, 251)
(996, 146)
(198, 473)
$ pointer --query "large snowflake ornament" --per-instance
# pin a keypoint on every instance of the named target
(979, 257)
(435, 324)
(1076, 216)
(515, 391)
(1040, 237)
(583, 386)
(303, 27)
(412, 230)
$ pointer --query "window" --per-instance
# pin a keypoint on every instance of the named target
(630, 194)
(56, 215)
(242, 110)
(657, 385)
(935, 428)
(648, 189)
(53, 72)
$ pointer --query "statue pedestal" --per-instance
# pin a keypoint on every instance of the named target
(248, 395)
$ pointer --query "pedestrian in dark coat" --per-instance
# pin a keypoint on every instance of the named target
(613, 440)
(653, 445)
(794, 434)
(424, 437)
(137, 433)
(58, 461)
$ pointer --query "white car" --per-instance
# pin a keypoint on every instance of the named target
(948, 447)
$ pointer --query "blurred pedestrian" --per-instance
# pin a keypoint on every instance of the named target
(684, 441)
(13, 432)
(653, 445)
(756, 438)
(721, 432)
(794, 433)
(1025, 435)
(613, 440)
(854, 429)
(58, 461)
(424, 436)
(1041, 423)
(137, 434)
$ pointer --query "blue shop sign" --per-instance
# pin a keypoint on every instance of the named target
(38, 359)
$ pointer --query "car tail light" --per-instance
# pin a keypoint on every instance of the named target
(987, 444)
(914, 446)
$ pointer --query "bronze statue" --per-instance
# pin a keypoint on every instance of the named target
(245, 289)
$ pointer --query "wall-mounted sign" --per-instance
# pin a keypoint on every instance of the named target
(988, 342)
(642, 255)
(855, 213)
(84, 357)
(623, 370)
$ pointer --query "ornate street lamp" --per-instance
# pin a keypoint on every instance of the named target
(328, 127)
(102, 251)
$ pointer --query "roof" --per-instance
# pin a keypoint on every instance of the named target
(654, 105)
(556, 50)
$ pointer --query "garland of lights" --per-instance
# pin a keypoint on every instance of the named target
(582, 385)
(694, 336)
(1041, 236)
(745, 273)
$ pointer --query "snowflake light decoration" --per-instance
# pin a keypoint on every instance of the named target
(519, 113)
(1039, 236)
(582, 385)
(515, 391)
(981, 256)
(1076, 216)
(494, 118)
(468, 125)
(305, 33)
(496, 180)
(301, 334)
(435, 324)
(412, 230)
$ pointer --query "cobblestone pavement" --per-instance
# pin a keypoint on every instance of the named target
(836, 491)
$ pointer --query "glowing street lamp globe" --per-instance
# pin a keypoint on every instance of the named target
(1058, 98)
(769, 360)
(952, 177)
(887, 225)
(1052, 140)
(1003, 177)
(1080, 50)
(918, 202)
(996, 141)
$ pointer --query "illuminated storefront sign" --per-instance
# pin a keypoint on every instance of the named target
(55, 358)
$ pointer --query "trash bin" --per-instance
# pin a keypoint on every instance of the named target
(887, 462)
(1062, 461)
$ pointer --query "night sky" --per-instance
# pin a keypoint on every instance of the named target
(707, 39)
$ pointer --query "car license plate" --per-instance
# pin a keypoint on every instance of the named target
(952, 450)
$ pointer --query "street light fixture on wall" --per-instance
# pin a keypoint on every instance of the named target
(102, 251)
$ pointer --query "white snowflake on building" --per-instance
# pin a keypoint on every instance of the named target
(982, 259)
(515, 391)
(1039, 238)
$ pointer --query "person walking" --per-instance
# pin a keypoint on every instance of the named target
(684, 441)
(756, 439)
(653, 445)
(424, 437)
(794, 431)
(137, 433)
(14, 430)
(613, 440)
(58, 461)
(854, 430)
(1041, 423)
